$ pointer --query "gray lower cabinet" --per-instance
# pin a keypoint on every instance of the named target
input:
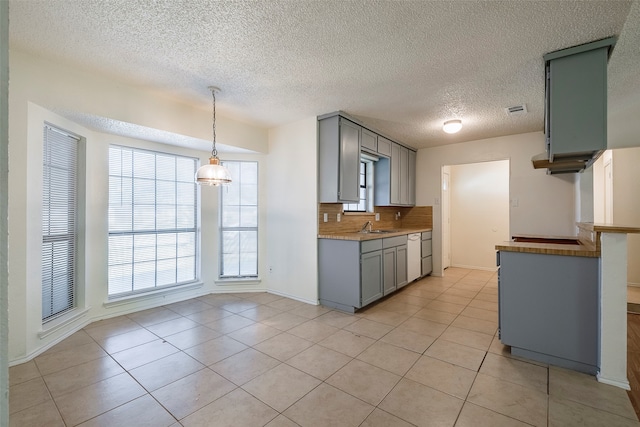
(549, 308)
(426, 253)
(349, 273)
(395, 263)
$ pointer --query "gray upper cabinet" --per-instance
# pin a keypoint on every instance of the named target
(395, 178)
(369, 141)
(384, 146)
(338, 160)
(412, 178)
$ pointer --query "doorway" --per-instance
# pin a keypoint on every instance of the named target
(475, 213)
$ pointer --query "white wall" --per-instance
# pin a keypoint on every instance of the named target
(479, 213)
(4, 284)
(545, 203)
(292, 211)
(37, 89)
(626, 204)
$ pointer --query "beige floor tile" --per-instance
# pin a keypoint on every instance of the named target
(309, 311)
(143, 411)
(586, 390)
(208, 315)
(380, 418)
(263, 297)
(192, 337)
(466, 337)
(389, 357)
(236, 409)
(337, 319)
(460, 293)
(313, 330)
(421, 405)
(27, 394)
(164, 371)
(23, 372)
(111, 327)
(477, 325)
(564, 413)
(515, 371)
(82, 375)
(442, 376)
(408, 340)
(172, 326)
(145, 353)
(254, 334)
(327, 406)
(53, 362)
(153, 315)
(192, 392)
(74, 340)
(487, 297)
(319, 361)
(428, 294)
(283, 346)
(217, 300)
(364, 381)
(405, 298)
(512, 400)
(436, 316)
(369, 328)
(42, 414)
(453, 299)
(286, 304)
(423, 326)
(87, 402)
(281, 386)
(477, 416)
(238, 306)
(347, 343)
(484, 305)
(386, 317)
(244, 366)
(285, 321)
(456, 354)
(447, 307)
(116, 343)
(215, 350)
(479, 313)
(281, 421)
(188, 307)
(400, 307)
(229, 324)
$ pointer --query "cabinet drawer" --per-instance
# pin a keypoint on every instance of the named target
(427, 266)
(426, 235)
(384, 146)
(370, 246)
(426, 248)
(390, 242)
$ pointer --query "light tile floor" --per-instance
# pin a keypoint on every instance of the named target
(427, 355)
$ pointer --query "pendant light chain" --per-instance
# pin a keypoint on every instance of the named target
(214, 151)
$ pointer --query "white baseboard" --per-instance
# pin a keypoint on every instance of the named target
(284, 294)
(621, 384)
(474, 267)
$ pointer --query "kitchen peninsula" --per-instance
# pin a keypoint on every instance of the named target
(562, 300)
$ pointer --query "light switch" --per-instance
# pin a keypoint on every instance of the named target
(377, 216)
(514, 202)
(338, 217)
(325, 217)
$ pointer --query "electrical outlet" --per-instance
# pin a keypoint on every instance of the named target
(514, 202)
(325, 217)
(338, 217)
(377, 216)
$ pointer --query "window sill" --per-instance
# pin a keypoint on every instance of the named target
(62, 322)
(238, 281)
(130, 299)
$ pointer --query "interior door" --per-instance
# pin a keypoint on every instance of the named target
(446, 221)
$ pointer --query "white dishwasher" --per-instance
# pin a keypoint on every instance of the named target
(413, 256)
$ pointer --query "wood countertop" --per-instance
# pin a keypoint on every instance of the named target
(608, 228)
(550, 248)
(371, 236)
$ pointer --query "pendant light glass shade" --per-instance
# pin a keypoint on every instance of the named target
(213, 173)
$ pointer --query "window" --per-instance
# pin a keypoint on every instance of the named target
(239, 222)
(59, 197)
(153, 234)
(366, 189)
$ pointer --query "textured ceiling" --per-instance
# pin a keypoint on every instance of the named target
(404, 67)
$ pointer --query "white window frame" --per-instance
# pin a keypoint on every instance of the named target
(122, 261)
(237, 181)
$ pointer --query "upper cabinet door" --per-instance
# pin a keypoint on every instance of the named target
(404, 176)
(412, 178)
(384, 146)
(396, 191)
(369, 141)
(349, 173)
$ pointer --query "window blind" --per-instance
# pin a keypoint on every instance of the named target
(59, 195)
(153, 236)
(239, 224)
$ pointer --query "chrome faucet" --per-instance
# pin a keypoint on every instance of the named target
(367, 224)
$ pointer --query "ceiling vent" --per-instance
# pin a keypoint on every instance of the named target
(516, 110)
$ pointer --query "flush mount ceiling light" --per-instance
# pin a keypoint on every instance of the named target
(213, 173)
(452, 126)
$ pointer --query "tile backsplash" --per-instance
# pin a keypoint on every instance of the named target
(410, 217)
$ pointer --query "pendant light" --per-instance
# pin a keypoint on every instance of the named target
(213, 173)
